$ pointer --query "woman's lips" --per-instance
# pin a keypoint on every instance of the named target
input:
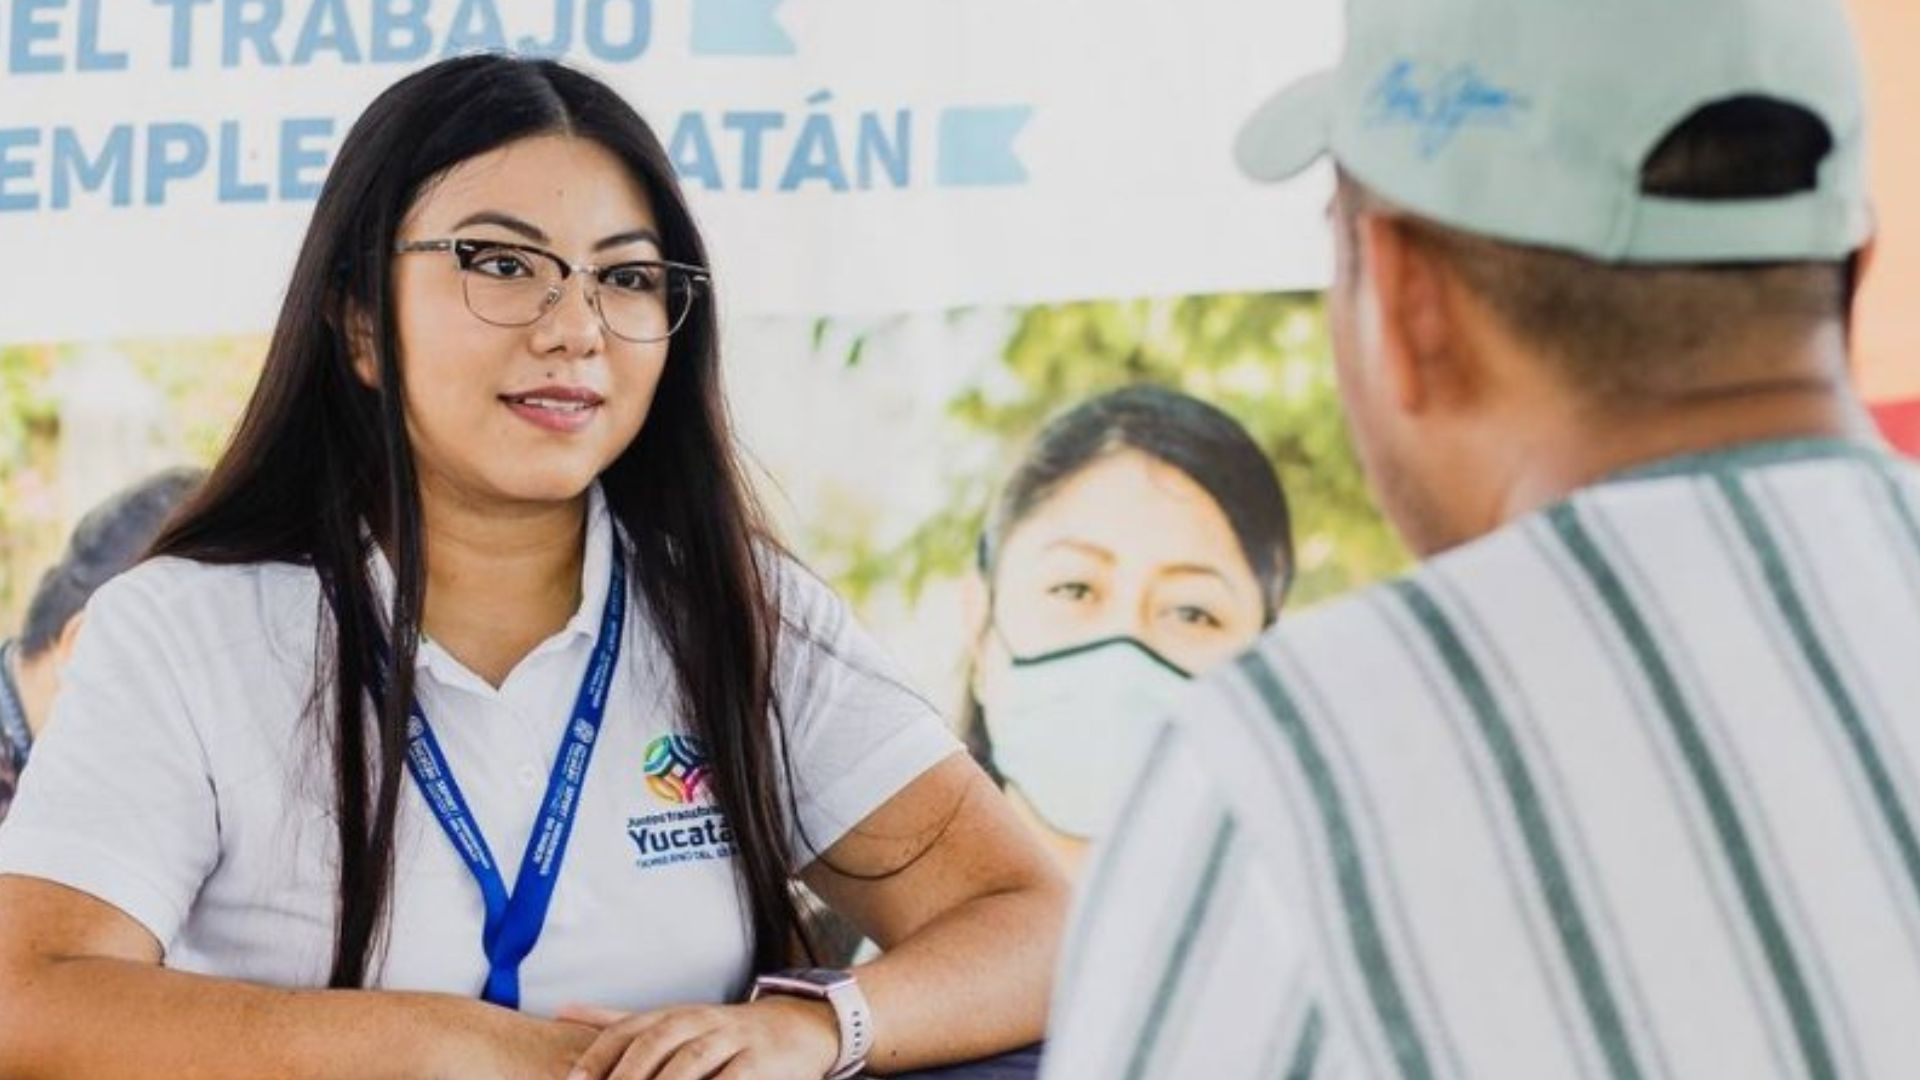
(560, 409)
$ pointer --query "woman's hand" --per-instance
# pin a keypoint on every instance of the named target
(775, 1038)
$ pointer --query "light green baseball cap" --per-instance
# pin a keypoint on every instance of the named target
(1530, 121)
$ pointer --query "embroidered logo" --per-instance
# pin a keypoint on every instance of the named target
(1437, 103)
(676, 769)
(677, 773)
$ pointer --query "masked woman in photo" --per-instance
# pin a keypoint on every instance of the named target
(1143, 540)
(469, 722)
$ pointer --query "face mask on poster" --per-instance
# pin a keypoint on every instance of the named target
(1071, 727)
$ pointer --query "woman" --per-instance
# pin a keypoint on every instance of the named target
(484, 501)
(1143, 540)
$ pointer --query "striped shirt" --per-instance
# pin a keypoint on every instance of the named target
(1628, 789)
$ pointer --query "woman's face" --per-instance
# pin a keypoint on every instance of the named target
(523, 413)
(1128, 547)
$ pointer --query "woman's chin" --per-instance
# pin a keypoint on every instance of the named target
(551, 486)
(567, 488)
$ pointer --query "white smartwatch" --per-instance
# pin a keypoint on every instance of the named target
(838, 989)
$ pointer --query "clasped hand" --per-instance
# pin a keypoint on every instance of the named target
(775, 1038)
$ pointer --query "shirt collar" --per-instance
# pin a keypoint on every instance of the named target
(595, 567)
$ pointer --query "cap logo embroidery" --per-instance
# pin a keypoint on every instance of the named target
(1437, 102)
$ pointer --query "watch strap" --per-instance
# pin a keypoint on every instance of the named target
(850, 1010)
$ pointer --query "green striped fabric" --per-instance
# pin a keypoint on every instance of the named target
(1627, 789)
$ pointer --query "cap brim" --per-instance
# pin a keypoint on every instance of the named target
(1289, 132)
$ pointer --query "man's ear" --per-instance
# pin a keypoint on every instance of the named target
(1415, 293)
(1863, 261)
(1861, 269)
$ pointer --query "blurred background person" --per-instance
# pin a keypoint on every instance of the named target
(1143, 539)
(108, 540)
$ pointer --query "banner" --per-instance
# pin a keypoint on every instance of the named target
(1900, 423)
(160, 158)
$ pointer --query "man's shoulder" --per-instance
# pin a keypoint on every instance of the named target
(1533, 606)
(1373, 650)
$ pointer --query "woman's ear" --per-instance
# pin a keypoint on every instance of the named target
(976, 608)
(69, 636)
(357, 330)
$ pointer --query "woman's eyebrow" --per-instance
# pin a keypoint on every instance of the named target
(1195, 570)
(505, 221)
(631, 236)
(1084, 547)
(537, 235)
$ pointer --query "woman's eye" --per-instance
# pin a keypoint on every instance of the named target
(502, 264)
(637, 279)
(1071, 590)
(1191, 615)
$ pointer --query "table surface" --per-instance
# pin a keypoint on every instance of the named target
(1019, 1065)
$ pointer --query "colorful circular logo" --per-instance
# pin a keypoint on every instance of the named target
(676, 769)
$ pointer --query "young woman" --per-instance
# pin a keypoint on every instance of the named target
(1144, 539)
(472, 673)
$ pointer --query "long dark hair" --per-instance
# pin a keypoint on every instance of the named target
(1190, 435)
(317, 453)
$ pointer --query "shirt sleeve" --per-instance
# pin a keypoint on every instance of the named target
(118, 800)
(1180, 960)
(856, 733)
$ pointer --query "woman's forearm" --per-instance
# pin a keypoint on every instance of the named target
(105, 1018)
(972, 983)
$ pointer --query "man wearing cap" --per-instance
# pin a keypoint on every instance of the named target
(1624, 780)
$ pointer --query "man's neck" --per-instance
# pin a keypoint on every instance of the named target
(501, 578)
(1582, 451)
(1554, 442)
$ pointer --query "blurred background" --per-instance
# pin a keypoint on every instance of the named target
(881, 431)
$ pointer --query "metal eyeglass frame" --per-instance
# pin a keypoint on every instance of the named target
(466, 251)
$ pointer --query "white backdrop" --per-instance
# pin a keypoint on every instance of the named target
(159, 158)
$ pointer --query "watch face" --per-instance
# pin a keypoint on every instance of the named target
(824, 978)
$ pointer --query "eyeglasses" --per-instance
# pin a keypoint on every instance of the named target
(505, 284)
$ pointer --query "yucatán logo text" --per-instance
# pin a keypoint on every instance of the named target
(676, 773)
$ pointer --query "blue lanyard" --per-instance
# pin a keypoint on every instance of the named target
(514, 921)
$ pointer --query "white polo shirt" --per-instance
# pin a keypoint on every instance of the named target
(184, 781)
